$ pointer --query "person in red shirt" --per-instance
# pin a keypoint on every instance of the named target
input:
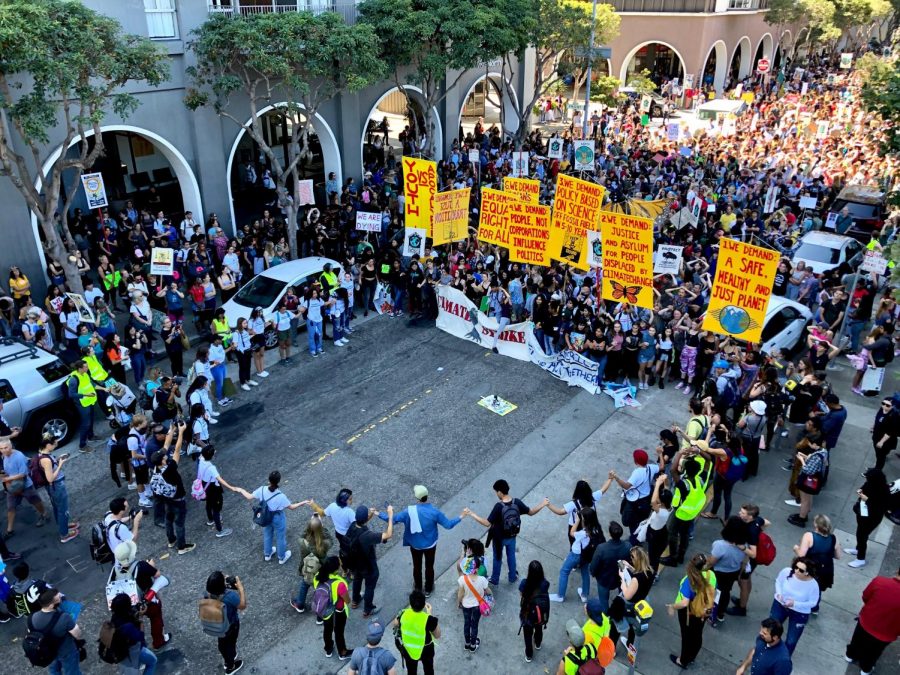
(878, 624)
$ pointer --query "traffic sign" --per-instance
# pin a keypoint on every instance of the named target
(762, 66)
(598, 52)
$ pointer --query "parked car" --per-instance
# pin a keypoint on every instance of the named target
(823, 251)
(32, 390)
(867, 207)
(656, 101)
(266, 289)
(785, 325)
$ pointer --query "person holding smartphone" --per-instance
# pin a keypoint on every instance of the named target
(52, 467)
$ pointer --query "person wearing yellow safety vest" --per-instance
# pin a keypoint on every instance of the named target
(578, 652)
(220, 327)
(98, 375)
(597, 625)
(83, 392)
(418, 633)
(110, 278)
(329, 282)
(688, 500)
(329, 574)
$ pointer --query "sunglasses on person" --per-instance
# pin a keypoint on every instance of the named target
(800, 570)
(887, 405)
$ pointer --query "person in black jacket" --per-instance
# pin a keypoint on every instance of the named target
(129, 636)
(869, 508)
(885, 430)
(605, 563)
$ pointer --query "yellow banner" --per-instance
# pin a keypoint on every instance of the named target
(529, 233)
(419, 189)
(451, 216)
(741, 290)
(493, 225)
(576, 210)
(524, 189)
(627, 258)
(639, 207)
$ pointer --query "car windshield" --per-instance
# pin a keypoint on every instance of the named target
(260, 292)
(53, 371)
(858, 211)
(817, 253)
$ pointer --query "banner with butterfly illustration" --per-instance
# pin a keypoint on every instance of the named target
(451, 216)
(627, 258)
(524, 189)
(576, 209)
(741, 290)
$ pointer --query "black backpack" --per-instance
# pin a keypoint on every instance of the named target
(99, 546)
(587, 551)
(539, 609)
(511, 519)
(351, 555)
(118, 444)
(41, 647)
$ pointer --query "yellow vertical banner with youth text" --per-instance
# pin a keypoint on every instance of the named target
(419, 189)
(627, 258)
(451, 216)
(741, 290)
(576, 209)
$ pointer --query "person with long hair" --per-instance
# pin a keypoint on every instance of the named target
(586, 535)
(636, 578)
(727, 559)
(314, 546)
(665, 346)
(330, 574)
(129, 633)
(688, 360)
(870, 507)
(113, 352)
(822, 547)
(213, 482)
(256, 325)
(19, 286)
(796, 594)
(694, 603)
(198, 392)
(657, 523)
(171, 336)
(473, 588)
(243, 345)
(531, 620)
(583, 496)
(198, 423)
(136, 343)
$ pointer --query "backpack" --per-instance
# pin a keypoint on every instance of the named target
(351, 556)
(111, 648)
(99, 546)
(160, 487)
(118, 445)
(737, 466)
(539, 609)
(511, 519)
(765, 550)
(731, 395)
(310, 567)
(213, 615)
(704, 426)
(36, 471)
(262, 514)
(41, 647)
(322, 603)
(370, 664)
(587, 550)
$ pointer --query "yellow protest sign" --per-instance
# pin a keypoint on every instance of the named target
(451, 216)
(524, 189)
(747, 97)
(576, 210)
(741, 290)
(419, 189)
(529, 233)
(493, 225)
(627, 258)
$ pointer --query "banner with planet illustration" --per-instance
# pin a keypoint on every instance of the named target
(741, 290)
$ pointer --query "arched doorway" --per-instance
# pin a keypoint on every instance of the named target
(248, 199)
(763, 50)
(486, 100)
(662, 60)
(716, 66)
(138, 165)
(740, 61)
(402, 114)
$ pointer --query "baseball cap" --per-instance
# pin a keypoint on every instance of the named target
(576, 635)
(362, 513)
(375, 631)
(420, 491)
(721, 363)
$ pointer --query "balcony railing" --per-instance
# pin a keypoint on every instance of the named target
(346, 8)
(687, 6)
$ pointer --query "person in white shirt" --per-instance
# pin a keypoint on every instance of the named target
(217, 368)
(796, 594)
(188, 224)
(273, 499)
(212, 483)
(117, 520)
(283, 318)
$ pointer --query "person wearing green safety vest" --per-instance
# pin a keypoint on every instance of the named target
(597, 625)
(329, 280)
(110, 277)
(83, 392)
(688, 500)
(333, 626)
(578, 651)
(98, 375)
(416, 632)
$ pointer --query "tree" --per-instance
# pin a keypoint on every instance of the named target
(62, 68)
(301, 58)
(421, 40)
(552, 28)
(641, 82)
(604, 91)
(880, 94)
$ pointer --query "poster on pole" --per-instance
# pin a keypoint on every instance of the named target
(555, 148)
(529, 233)
(873, 262)
(594, 248)
(368, 222)
(741, 290)
(304, 192)
(451, 216)
(808, 202)
(576, 209)
(94, 190)
(523, 189)
(162, 261)
(475, 157)
(493, 223)
(85, 313)
(414, 242)
(627, 258)
(831, 221)
(520, 165)
(771, 199)
(584, 155)
(419, 188)
(646, 103)
(667, 259)
(846, 61)
(673, 130)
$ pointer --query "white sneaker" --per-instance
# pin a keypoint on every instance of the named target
(267, 558)
(287, 556)
(792, 502)
(856, 564)
(253, 383)
(224, 533)
(340, 343)
(132, 486)
(556, 598)
(264, 373)
(850, 551)
(145, 503)
(215, 413)
(245, 387)
(213, 420)
(784, 433)
(583, 597)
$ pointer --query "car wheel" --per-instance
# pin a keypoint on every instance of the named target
(271, 338)
(53, 424)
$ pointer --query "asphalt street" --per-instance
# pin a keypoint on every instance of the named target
(397, 407)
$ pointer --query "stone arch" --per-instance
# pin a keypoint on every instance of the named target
(509, 107)
(741, 68)
(719, 52)
(331, 153)
(765, 49)
(418, 98)
(624, 71)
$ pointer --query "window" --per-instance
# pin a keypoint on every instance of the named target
(161, 21)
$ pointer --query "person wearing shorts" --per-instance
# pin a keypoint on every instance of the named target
(18, 485)
(284, 320)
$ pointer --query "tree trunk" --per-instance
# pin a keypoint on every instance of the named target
(292, 230)
(57, 250)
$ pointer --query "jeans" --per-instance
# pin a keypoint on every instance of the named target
(277, 529)
(471, 617)
(601, 367)
(793, 621)
(85, 424)
(345, 320)
(573, 561)
(314, 335)
(502, 323)
(333, 632)
(68, 663)
(138, 367)
(721, 491)
(603, 594)
(337, 326)
(218, 373)
(371, 579)
(368, 292)
(499, 546)
(397, 297)
(855, 328)
(176, 512)
(59, 500)
(417, 556)
(302, 592)
(228, 644)
(147, 659)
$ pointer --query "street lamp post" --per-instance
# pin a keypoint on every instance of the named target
(587, 97)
